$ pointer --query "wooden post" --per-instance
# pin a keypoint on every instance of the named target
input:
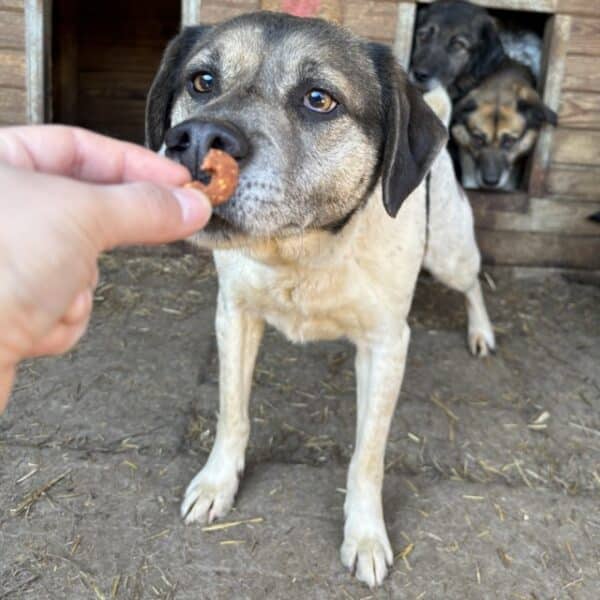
(190, 12)
(405, 26)
(37, 48)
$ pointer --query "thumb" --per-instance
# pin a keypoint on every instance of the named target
(145, 213)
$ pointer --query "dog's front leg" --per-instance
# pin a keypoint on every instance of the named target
(379, 371)
(211, 493)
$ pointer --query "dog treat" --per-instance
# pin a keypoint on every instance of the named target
(224, 172)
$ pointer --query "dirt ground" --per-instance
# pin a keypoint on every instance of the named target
(493, 466)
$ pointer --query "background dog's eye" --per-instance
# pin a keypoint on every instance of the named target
(424, 34)
(458, 44)
(478, 139)
(203, 82)
(508, 141)
(319, 101)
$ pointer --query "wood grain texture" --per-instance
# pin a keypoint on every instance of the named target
(13, 106)
(579, 7)
(13, 5)
(516, 248)
(574, 181)
(544, 215)
(576, 147)
(214, 11)
(585, 36)
(582, 73)
(373, 20)
(580, 110)
(12, 29)
(12, 68)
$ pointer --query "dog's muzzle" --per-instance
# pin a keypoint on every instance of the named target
(189, 142)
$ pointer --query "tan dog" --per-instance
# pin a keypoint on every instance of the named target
(496, 127)
(333, 143)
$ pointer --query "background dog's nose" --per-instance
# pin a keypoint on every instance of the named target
(491, 179)
(189, 142)
(421, 75)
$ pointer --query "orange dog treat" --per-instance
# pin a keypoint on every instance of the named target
(224, 173)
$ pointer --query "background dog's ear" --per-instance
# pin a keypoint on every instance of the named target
(489, 52)
(464, 108)
(413, 136)
(535, 111)
(160, 97)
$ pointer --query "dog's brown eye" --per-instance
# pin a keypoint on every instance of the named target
(478, 139)
(203, 82)
(319, 101)
(424, 34)
(508, 141)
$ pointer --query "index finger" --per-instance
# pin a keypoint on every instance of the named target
(81, 154)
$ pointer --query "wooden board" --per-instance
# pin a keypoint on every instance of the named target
(405, 25)
(538, 249)
(579, 7)
(14, 5)
(13, 106)
(580, 110)
(12, 29)
(544, 215)
(585, 36)
(574, 181)
(214, 11)
(12, 68)
(332, 10)
(582, 73)
(576, 147)
(373, 20)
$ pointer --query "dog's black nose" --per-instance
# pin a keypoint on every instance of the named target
(491, 179)
(189, 142)
(421, 75)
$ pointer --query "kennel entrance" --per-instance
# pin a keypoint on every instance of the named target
(102, 59)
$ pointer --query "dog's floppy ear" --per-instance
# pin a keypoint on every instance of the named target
(534, 110)
(160, 97)
(489, 51)
(413, 134)
(464, 108)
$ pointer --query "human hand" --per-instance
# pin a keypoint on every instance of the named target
(67, 195)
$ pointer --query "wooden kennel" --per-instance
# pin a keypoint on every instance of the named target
(90, 64)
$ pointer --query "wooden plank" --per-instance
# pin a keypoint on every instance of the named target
(14, 5)
(556, 42)
(575, 147)
(36, 28)
(544, 215)
(190, 12)
(580, 110)
(539, 249)
(574, 181)
(585, 36)
(12, 30)
(214, 11)
(579, 7)
(582, 73)
(373, 20)
(543, 6)
(13, 106)
(12, 68)
(405, 26)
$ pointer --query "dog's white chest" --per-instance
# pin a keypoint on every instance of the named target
(310, 305)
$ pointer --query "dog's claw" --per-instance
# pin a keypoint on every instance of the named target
(207, 498)
(481, 342)
(368, 557)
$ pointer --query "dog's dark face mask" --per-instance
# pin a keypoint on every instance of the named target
(456, 46)
(315, 117)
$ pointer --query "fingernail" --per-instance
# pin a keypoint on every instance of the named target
(195, 207)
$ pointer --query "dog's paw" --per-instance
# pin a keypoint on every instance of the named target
(367, 553)
(481, 341)
(209, 497)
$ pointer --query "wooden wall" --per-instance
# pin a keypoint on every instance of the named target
(13, 94)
